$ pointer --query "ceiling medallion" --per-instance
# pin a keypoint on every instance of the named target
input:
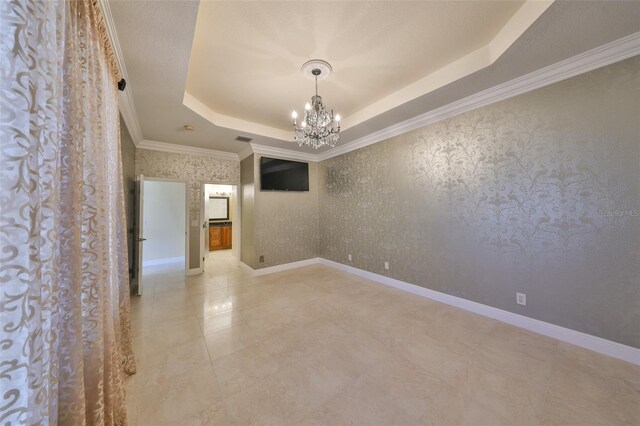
(319, 127)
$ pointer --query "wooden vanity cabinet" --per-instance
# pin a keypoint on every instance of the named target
(226, 237)
(219, 236)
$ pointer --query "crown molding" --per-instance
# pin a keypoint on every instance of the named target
(128, 112)
(282, 152)
(609, 53)
(125, 98)
(184, 149)
(598, 57)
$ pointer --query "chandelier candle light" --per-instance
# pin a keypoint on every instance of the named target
(319, 127)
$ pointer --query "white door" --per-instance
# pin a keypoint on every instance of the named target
(139, 233)
(205, 226)
(204, 231)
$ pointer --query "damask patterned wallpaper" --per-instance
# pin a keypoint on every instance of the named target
(248, 237)
(537, 194)
(195, 170)
(286, 223)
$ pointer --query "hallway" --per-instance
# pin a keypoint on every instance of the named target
(319, 346)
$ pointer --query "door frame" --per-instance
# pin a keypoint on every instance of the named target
(186, 214)
(236, 231)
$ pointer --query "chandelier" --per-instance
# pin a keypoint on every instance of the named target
(319, 126)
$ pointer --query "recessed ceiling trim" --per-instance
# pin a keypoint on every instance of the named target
(516, 26)
(281, 152)
(604, 55)
(481, 58)
(247, 151)
(615, 51)
(125, 98)
(607, 54)
(183, 149)
(234, 123)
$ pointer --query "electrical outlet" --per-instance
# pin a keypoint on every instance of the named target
(261, 259)
(349, 258)
(521, 299)
(386, 265)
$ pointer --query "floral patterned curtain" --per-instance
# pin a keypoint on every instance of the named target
(64, 294)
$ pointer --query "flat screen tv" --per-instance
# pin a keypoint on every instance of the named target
(283, 175)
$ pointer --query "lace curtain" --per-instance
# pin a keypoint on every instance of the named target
(64, 294)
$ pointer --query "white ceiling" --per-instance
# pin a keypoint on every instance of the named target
(246, 56)
(392, 60)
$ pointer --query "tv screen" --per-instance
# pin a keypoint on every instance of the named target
(283, 175)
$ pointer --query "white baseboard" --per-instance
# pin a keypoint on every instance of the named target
(163, 261)
(587, 341)
(279, 268)
(194, 271)
(246, 267)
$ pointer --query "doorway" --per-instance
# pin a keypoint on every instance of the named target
(161, 229)
(221, 221)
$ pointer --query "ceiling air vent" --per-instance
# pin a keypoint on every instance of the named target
(244, 139)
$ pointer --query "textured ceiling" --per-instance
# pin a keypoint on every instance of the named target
(246, 56)
(156, 40)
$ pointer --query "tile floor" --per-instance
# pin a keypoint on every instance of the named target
(319, 346)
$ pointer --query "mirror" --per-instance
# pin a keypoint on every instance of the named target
(218, 208)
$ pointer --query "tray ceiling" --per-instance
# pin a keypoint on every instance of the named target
(232, 68)
(246, 56)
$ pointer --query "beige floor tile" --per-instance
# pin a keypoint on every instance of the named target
(243, 368)
(287, 396)
(320, 346)
(171, 299)
(206, 292)
(205, 305)
(171, 336)
(392, 393)
(221, 321)
(516, 353)
(484, 398)
(169, 286)
(175, 360)
(176, 399)
(170, 318)
(230, 340)
(592, 387)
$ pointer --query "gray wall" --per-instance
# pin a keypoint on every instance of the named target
(537, 194)
(128, 153)
(194, 170)
(284, 226)
(248, 236)
(287, 223)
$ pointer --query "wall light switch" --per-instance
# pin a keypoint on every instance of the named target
(349, 258)
(521, 299)
(386, 265)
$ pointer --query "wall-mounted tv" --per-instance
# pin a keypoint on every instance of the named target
(283, 175)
